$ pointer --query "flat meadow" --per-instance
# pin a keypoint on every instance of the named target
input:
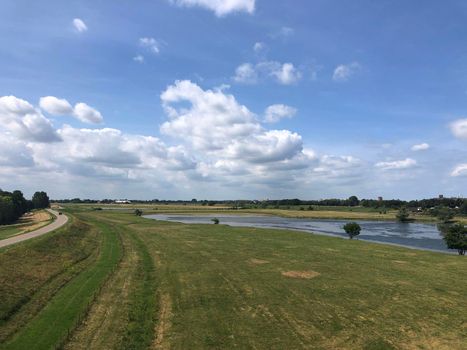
(121, 281)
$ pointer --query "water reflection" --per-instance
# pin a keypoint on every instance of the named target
(414, 235)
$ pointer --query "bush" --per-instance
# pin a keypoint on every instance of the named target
(352, 229)
(403, 215)
(456, 238)
(215, 221)
(138, 212)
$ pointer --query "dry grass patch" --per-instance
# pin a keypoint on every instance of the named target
(258, 261)
(164, 324)
(399, 261)
(301, 274)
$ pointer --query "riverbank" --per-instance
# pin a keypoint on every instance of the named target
(414, 235)
(318, 212)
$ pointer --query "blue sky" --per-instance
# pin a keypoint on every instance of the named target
(234, 99)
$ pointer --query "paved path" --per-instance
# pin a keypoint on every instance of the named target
(59, 222)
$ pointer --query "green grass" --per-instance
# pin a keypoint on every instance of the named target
(8, 231)
(212, 286)
(32, 271)
(142, 314)
(65, 309)
(365, 294)
(223, 287)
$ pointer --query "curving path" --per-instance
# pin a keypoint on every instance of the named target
(59, 222)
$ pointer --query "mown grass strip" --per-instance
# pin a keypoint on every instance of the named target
(54, 323)
(140, 328)
(48, 258)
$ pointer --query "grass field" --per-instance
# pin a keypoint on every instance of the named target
(318, 212)
(135, 283)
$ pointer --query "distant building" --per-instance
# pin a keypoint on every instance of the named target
(122, 201)
(380, 199)
(440, 196)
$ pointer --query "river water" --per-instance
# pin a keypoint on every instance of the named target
(412, 235)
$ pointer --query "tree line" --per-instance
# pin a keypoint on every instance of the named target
(13, 205)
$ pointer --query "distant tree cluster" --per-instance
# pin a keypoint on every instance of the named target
(443, 208)
(13, 205)
(40, 200)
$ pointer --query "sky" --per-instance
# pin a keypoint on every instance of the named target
(234, 99)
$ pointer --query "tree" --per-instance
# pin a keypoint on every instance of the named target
(7, 210)
(445, 214)
(353, 201)
(463, 208)
(19, 202)
(138, 212)
(403, 215)
(40, 200)
(352, 229)
(456, 238)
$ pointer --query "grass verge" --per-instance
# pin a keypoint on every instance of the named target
(64, 311)
(32, 271)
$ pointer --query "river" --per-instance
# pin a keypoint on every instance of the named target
(412, 235)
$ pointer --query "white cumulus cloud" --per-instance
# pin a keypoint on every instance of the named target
(87, 114)
(61, 107)
(287, 74)
(151, 44)
(420, 147)
(217, 144)
(55, 106)
(459, 128)
(276, 112)
(268, 146)
(259, 47)
(246, 73)
(283, 73)
(211, 120)
(397, 164)
(220, 7)
(138, 58)
(25, 122)
(79, 25)
(460, 170)
(344, 72)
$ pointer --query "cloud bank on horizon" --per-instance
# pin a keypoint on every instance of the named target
(267, 117)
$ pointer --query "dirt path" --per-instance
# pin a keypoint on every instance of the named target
(59, 222)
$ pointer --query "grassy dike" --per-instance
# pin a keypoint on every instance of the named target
(31, 272)
(124, 313)
(65, 309)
